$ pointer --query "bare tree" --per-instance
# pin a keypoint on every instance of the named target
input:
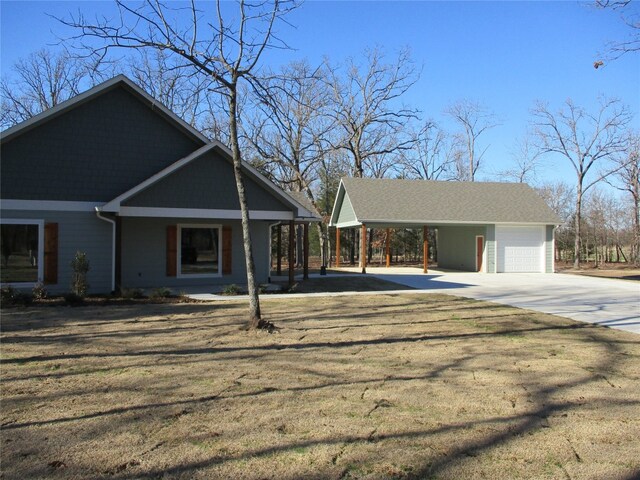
(589, 142)
(432, 156)
(41, 81)
(627, 179)
(366, 109)
(560, 196)
(526, 159)
(474, 119)
(618, 48)
(225, 49)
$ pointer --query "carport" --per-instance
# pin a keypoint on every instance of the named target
(486, 227)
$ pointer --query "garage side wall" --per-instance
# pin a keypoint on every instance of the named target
(490, 249)
(549, 249)
(457, 247)
(144, 253)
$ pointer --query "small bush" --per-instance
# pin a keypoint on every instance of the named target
(80, 267)
(73, 299)
(10, 296)
(162, 292)
(293, 288)
(232, 289)
(131, 293)
(39, 292)
(262, 288)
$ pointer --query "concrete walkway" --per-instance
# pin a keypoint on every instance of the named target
(608, 302)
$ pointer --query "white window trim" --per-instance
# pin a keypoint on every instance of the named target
(179, 273)
(40, 224)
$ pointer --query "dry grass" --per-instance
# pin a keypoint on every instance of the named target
(387, 386)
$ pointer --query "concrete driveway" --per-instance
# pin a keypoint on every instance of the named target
(609, 302)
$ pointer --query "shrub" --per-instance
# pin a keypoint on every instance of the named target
(10, 296)
(131, 293)
(39, 292)
(162, 292)
(232, 289)
(73, 299)
(80, 267)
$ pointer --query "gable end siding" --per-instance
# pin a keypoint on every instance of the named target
(93, 152)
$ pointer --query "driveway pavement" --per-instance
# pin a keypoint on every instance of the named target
(610, 302)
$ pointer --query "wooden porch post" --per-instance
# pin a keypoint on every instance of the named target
(363, 247)
(306, 251)
(388, 247)
(292, 241)
(279, 250)
(425, 248)
(337, 247)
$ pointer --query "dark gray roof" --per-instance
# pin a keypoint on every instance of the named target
(303, 200)
(423, 202)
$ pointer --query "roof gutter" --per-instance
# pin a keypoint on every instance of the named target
(113, 246)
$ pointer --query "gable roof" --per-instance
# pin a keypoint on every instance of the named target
(302, 199)
(118, 81)
(299, 210)
(389, 202)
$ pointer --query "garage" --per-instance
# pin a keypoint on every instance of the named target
(520, 249)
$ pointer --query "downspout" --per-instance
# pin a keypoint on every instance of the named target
(113, 247)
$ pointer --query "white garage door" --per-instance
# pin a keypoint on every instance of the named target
(520, 249)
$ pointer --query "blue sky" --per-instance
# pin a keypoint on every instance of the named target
(504, 54)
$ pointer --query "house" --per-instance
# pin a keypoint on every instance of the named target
(481, 226)
(149, 199)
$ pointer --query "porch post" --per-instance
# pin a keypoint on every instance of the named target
(306, 251)
(388, 247)
(292, 241)
(279, 250)
(118, 259)
(363, 247)
(337, 247)
(425, 248)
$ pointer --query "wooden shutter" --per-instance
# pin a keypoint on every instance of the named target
(51, 253)
(227, 242)
(172, 250)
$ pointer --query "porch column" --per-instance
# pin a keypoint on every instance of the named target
(292, 241)
(363, 247)
(388, 247)
(118, 254)
(425, 248)
(337, 247)
(279, 250)
(306, 251)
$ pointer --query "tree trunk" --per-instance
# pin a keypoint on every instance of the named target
(576, 245)
(322, 240)
(254, 300)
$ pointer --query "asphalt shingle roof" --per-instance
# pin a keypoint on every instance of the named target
(425, 202)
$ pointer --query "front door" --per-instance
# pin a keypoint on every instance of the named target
(479, 250)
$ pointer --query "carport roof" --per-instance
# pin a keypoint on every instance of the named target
(400, 202)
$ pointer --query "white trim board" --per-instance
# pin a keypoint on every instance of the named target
(203, 213)
(49, 205)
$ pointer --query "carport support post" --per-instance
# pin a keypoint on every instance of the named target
(425, 248)
(337, 247)
(388, 247)
(279, 250)
(363, 248)
(292, 241)
(305, 261)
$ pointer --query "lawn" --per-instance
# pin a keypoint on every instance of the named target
(385, 386)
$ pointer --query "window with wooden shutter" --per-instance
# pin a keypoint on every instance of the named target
(227, 242)
(51, 253)
(172, 250)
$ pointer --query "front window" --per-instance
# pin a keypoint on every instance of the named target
(21, 247)
(199, 250)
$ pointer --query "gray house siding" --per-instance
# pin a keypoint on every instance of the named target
(346, 213)
(144, 253)
(208, 183)
(549, 249)
(77, 231)
(457, 247)
(490, 248)
(93, 152)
